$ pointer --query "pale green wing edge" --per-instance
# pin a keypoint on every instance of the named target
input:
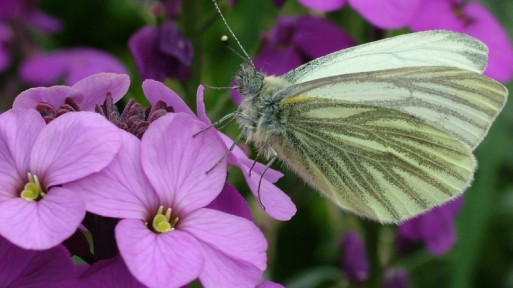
(428, 48)
(376, 162)
(460, 102)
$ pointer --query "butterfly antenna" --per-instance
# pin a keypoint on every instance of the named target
(233, 34)
(224, 39)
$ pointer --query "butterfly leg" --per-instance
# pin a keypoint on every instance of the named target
(273, 158)
(227, 152)
(227, 116)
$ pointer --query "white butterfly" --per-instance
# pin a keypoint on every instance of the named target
(386, 129)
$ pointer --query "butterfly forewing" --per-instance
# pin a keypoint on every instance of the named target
(374, 161)
(460, 102)
(428, 48)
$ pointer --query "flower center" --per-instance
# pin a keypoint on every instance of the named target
(49, 112)
(163, 223)
(134, 118)
(32, 191)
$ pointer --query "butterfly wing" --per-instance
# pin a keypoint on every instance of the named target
(371, 150)
(428, 48)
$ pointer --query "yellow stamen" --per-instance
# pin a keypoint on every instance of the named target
(32, 191)
(161, 222)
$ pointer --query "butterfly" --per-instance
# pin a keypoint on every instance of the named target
(386, 129)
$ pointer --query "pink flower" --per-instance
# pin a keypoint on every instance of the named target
(68, 65)
(277, 204)
(475, 20)
(35, 269)
(85, 94)
(36, 212)
(160, 188)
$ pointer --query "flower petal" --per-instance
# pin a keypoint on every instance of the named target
(43, 224)
(231, 202)
(388, 14)
(171, 259)
(73, 146)
(35, 269)
(277, 204)
(70, 65)
(176, 164)
(200, 106)
(109, 273)
(275, 61)
(96, 87)
(45, 68)
(355, 263)
(324, 5)
(314, 44)
(18, 131)
(54, 95)
(234, 248)
(155, 91)
(121, 190)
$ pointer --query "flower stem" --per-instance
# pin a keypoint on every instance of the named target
(372, 232)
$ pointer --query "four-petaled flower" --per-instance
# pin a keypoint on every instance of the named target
(160, 187)
(36, 211)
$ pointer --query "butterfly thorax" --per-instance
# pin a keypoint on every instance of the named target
(258, 113)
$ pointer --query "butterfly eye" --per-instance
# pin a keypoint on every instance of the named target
(249, 81)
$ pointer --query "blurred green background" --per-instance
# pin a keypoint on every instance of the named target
(303, 251)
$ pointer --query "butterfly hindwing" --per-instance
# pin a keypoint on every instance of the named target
(377, 162)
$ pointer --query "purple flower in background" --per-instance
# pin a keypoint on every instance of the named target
(159, 187)
(6, 37)
(297, 40)
(475, 20)
(36, 212)
(279, 3)
(110, 273)
(277, 204)
(396, 278)
(354, 259)
(35, 269)
(435, 228)
(24, 16)
(387, 14)
(68, 66)
(26, 13)
(161, 52)
(324, 5)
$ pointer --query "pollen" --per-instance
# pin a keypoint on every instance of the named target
(32, 191)
(162, 222)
